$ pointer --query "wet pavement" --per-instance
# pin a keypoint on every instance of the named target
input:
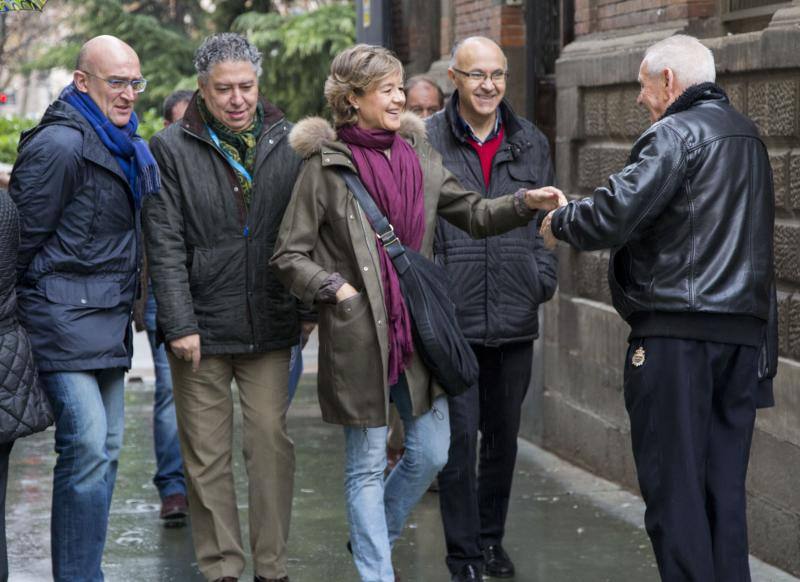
(564, 525)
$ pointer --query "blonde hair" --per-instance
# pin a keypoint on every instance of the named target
(357, 70)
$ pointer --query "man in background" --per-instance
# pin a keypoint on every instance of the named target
(424, 98)
(169, 479)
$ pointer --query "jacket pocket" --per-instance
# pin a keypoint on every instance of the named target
(522, 172)
(98, 294)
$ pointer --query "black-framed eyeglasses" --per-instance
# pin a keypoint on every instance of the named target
(498, 76)
(119, 85)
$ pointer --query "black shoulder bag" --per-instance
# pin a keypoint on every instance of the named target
(437, 336)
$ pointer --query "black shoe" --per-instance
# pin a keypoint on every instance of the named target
(496, 562)
(468, 573)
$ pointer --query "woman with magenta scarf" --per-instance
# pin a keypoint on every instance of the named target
(329, 257)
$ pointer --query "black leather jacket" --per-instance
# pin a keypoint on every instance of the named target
(690, 219)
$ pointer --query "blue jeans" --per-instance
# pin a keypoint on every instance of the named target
(169, 463)
(89, 410)
(378, 509)
(295, 369)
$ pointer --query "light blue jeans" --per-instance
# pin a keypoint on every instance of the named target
(90, 414)
(169, 478)
(378, 509)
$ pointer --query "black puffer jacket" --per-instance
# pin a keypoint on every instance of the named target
(80, 245)
(24, 409)
(691, 221)
(208, 257)
(496, 283)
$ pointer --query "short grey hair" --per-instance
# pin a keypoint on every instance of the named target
(222, 47)
(690, 60)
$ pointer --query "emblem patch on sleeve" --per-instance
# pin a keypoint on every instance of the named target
(638, 357)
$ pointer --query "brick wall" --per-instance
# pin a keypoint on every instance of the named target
(613, 15)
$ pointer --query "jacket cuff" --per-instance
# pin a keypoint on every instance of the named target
(327, 291)
(519, 205)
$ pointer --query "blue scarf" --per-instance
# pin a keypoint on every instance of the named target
(130, 150)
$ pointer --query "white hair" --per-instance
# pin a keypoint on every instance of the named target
(690, 60)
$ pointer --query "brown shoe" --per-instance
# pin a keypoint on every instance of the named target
(262, 579)
(174, 506)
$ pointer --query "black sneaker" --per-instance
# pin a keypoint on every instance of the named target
(496, 562)
(468, 573)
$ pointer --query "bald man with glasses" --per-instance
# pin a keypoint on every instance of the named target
(78, 183)
(497, 285)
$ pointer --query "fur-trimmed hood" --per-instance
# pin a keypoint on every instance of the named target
(310, 134)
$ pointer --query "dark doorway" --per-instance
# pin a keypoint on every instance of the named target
(548, 27)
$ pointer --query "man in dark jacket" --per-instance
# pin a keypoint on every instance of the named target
(497, 285)
(690, 222)
(228, 173)
(78, 184)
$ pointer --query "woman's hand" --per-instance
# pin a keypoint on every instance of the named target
(546, 198)
(345, 292)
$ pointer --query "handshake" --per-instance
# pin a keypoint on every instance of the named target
(548, 199)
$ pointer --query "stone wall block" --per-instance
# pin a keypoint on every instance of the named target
(625, 117)
(772, 105)
(787, 252)
(783, 322)
(779, 160)
(597, 163)
(737, 93)
(793, 193)
(791, 327)
(594, 113)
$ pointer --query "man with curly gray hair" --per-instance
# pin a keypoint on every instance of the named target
(229, 173)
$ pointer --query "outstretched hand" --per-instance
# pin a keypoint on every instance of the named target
(545, 198)
(546, 231)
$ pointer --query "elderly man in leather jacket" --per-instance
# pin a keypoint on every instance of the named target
(690, 221)
(497, 285)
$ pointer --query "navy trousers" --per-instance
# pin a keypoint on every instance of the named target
(692, 407)
(474, 506)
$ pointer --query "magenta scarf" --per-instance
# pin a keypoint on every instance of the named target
(396, 186)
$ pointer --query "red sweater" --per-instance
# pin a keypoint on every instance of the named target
(486, 152)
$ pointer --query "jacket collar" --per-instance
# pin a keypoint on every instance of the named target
(456, 123)
(704, 92)
(315, 135)
(193, 122)
(62, 113)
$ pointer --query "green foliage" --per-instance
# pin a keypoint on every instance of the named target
(298, 51)
(10, 128)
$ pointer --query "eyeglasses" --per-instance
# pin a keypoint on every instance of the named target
(119, 85)
(498, 76)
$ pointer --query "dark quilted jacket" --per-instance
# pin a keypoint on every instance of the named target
(497, 283)
(24, 409)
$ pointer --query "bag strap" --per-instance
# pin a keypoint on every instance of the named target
(380, 224)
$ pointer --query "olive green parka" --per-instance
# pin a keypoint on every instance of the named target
(324, 231)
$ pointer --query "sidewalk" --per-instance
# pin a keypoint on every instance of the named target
(564, 524)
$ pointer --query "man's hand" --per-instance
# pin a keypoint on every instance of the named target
(187, 348)
(345, 292)
(546, 198)
(305, 332)
(546, 230)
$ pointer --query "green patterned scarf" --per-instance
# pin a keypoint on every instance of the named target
(240, 145)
